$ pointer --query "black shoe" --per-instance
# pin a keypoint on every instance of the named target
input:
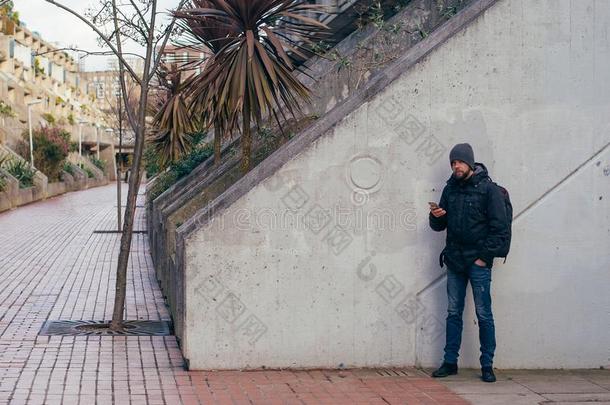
(445, 370)
(487, 374)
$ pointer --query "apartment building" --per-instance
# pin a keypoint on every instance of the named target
(32, 70)
(190, 60)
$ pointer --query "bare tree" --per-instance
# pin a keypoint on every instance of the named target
(115, 23)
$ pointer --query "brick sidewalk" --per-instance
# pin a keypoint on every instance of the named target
(52, 266)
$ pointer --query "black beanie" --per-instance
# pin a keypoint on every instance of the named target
(463, 152)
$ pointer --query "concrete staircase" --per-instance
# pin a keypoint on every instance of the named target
(345, 70)
(321, 255)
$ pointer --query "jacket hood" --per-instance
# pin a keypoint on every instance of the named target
(480, 173)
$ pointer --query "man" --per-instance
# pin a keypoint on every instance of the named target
(472, 209)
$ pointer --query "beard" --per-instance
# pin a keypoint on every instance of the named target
(462, 175)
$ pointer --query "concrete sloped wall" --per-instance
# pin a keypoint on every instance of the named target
(328, 261)
(346, 68)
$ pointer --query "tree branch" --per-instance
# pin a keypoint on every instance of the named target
(167, 34)
(130, 113)
(87, 53)
(101, 35)
(140, 15)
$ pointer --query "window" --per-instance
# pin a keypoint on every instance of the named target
(57, 72)
(23, 54)
(100, 90)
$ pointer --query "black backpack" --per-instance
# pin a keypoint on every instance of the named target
(509, 213)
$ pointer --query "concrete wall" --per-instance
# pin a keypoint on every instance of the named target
(329, 260)
(14, 196)
(11, 189)
(344, 70)
(56, 188)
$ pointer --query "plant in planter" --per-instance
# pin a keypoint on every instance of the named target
(51, 147)
(7, 9)
(99, 163)
(90, 173)
(68, 168)
(38, 69)
(181, 168)
(6, 111)
(22, 171)
(151, 161)
(2, 178)
(48, 117)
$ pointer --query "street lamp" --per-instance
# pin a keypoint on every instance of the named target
(80, 137)
(118, 186)
(30, 104)
(97, 139)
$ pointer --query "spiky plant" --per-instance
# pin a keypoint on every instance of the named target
(249, 77)
(173, 127)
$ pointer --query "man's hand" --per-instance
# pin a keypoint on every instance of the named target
(480, 263)
(438, 212)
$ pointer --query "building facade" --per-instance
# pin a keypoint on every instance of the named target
(36, 75)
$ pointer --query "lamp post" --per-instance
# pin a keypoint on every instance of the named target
(80, 138)
(97, 139)
(110, 131)
(30, 104)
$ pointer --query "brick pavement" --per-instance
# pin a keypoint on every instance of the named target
(52, 266)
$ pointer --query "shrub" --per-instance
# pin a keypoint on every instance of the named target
(22, 171)
(68, 168)
(3, 183)
(6, 110)
(48, 117)
(151, 161)
(38, 69)
(181, 168)
(99, 163)
(51, 147)
(89, 172)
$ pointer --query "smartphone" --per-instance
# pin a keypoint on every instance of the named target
(433, 205)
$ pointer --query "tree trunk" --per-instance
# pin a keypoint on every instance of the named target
(119, 166)
(132, 195)
(134, 179)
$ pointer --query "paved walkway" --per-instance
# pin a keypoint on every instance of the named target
(52, 266)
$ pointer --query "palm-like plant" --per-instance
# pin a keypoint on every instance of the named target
(174, 128)
(201, 31)
(250, 76)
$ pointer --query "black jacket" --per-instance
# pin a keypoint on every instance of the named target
(476, 221)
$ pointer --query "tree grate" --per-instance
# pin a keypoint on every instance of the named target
(115, 231)
(96, 328)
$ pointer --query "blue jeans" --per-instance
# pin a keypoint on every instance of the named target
(480, 280)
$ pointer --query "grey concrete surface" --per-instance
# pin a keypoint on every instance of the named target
(531, 387)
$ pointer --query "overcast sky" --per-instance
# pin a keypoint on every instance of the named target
(56, 25)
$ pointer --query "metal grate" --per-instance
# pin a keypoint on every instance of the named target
(394, 372)
(115, 231)
(95, 328)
